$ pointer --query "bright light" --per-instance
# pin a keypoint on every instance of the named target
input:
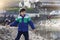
(1, 5)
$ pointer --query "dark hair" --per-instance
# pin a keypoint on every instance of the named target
(22, 10)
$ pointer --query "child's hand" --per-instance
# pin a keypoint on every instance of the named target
(34, 30)
(7, 26)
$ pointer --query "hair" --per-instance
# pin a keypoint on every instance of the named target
(22, 10)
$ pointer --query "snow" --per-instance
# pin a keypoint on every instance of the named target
(53, 24)
(12, 31)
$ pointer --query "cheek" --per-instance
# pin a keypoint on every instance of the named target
(23, 13)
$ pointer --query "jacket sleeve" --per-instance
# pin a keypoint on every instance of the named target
(14, 23)
(31, 23)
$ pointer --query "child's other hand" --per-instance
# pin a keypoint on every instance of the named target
(34, 30)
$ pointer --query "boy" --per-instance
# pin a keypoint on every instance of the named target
(22, 21)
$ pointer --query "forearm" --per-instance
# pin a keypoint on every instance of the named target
(32, 25)
(15, 23)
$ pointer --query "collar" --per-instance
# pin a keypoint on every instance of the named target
(23, 16)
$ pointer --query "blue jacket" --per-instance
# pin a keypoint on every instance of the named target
(23, 22)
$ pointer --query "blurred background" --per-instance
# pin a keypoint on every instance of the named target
(44, 13)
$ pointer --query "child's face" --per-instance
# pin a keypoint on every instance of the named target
(22, 13)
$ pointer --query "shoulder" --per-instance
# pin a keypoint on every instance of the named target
(18, 17)
(27, 16)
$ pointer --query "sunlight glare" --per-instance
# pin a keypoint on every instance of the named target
(1, 4)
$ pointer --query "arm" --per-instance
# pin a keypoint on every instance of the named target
(15, 23)
(31, 23)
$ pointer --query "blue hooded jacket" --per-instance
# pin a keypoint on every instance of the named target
(23, 22)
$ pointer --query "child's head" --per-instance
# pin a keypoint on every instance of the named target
(22, 11)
